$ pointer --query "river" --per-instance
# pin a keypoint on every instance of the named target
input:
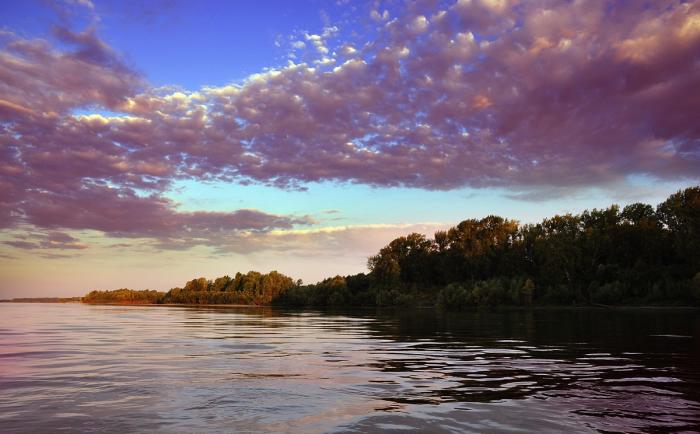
(82, 368)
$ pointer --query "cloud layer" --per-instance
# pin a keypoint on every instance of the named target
(481, 93)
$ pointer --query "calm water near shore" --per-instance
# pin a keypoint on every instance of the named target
(81, 368)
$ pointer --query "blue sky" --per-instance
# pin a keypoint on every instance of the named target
(184, 43)
(362, 204)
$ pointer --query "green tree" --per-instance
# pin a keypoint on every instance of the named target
(200, 284)
(680, 213)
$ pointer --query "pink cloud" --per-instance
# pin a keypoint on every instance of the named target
(336, 241)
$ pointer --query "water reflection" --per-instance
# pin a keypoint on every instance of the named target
(172, 369)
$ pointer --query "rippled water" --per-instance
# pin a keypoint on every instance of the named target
(85, 368)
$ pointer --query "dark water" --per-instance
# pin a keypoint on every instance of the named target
(78, 368)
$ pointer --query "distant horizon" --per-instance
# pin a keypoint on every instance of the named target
(148, 143)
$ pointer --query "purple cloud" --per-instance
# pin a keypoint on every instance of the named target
(123, 213)
(50, 240)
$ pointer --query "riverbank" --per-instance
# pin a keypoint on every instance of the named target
(43, 300)
(411, 307)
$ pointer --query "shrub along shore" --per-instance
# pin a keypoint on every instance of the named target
(638, 255)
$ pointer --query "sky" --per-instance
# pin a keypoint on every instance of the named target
(143, 144)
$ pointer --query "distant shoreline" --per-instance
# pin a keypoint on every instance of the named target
(178, 304)
(43, 300)
(386, 308)
(389, 308)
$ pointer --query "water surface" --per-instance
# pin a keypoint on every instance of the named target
(80, 368)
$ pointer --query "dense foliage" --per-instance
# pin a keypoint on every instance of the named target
(634, 255)
(123, 296)
(637, 255)
(250, 288)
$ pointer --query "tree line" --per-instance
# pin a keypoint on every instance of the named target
(123, 296)
(42, 300)
(251, 288)
(635, 255)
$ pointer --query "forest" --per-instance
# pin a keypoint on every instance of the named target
(637, 255)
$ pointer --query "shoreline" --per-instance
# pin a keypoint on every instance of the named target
(336, 308)
(368, 307)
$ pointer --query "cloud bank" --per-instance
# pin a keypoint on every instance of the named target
(482, 93)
